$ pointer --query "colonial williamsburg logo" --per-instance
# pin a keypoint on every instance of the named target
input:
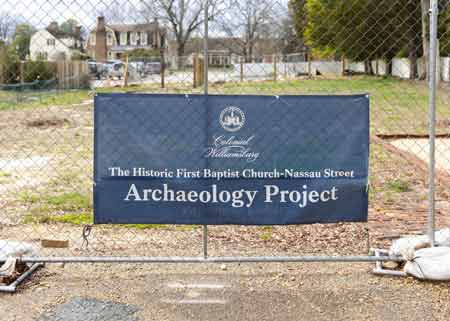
(232, 119)
(223, 146)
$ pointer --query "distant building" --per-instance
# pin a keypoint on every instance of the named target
(112, 41)
(53, 44)
(226, 50)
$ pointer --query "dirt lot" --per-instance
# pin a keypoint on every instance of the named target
(232, 292)
(46, 186)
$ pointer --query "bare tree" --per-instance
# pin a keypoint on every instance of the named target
(183, 17)
(7, 25)
(247, 21)
(425, 6)
(119, 12)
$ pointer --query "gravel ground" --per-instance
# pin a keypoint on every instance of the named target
(180, 292)
(310, 291)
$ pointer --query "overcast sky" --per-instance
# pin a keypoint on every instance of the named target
(40, 13)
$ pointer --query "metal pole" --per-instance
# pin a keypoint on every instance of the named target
(211, 259)
(205, 49)
(205, 91)
(432, 117)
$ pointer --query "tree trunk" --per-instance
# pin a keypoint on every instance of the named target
(180, 55)
(368, 67)
(413, 44)
(425, 6)
(249, 52)
(413, 64)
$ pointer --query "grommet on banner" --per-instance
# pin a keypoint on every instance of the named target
(277, 97)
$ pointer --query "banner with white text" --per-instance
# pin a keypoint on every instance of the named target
(226, 159)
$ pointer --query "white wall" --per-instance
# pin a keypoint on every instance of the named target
(400, 68)
(291, 69)
(382, 67)
(38, 44)
(357, 67)
(445, 68)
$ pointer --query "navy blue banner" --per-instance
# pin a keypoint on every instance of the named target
(223, 159)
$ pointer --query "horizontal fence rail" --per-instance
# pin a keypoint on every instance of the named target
(211, 259)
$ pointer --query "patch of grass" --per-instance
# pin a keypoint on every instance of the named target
(13, 100)
(159, 227)
(399, 186)
(42, 216)
(82, 218)
(69, 201)
(4, 177)
(265, 236)
(146, 226)
(28, 197)
(4, 174)
(267, 233)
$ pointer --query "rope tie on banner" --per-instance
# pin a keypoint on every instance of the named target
(87, 229)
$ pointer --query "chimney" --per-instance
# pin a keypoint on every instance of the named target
(78, 31)
(100, 41)
(101, 23)
(53, 27)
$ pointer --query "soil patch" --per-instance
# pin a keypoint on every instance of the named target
(49, 122)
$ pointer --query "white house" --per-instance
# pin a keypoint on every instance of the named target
(53, 44)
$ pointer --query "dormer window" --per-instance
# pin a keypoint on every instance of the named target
(134, 38)
(123, 38)
(51, 42)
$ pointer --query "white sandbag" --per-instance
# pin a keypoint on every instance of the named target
(430, 264)
(8, 268)
(406, 246)
(16, 249)
(442, 237)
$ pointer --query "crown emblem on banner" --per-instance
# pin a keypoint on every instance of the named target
(232, 118)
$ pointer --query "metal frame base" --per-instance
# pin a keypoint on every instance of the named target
(209, 259)
(13, 286)
(379, 268)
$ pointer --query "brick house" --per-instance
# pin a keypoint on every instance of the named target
(112, 41)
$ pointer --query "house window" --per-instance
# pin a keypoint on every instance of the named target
(92, 39)
(109, 39)
(144, 38)
(123, 38)
(42, 55)
(133, 38)
(50, 42)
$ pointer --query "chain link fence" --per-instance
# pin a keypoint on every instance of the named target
(55, 55)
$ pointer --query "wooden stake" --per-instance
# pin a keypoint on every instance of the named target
(125, 77)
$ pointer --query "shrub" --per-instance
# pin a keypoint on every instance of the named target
(41, 70)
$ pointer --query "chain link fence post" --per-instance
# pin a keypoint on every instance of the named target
(205, 91)
(432, 117)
